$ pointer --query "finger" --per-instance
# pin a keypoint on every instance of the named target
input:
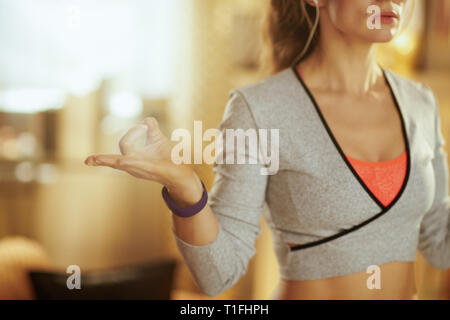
(109, 160)
(131, 137)
(90, 161)
(153, 132)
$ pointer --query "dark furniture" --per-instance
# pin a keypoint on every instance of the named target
(152, 281)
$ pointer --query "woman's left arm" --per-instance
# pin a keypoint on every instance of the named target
(434, 237)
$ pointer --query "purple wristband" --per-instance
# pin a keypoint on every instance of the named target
(189, 211)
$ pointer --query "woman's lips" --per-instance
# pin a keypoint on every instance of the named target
(388, 17)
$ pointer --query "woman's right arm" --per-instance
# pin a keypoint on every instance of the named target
(218, 242)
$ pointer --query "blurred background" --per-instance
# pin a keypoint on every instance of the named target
(75, 75)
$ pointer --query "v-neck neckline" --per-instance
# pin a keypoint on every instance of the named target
(342, 154)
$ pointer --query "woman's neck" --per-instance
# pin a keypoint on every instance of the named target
(342, 64)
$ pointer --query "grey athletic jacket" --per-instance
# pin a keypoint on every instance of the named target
(316, 199)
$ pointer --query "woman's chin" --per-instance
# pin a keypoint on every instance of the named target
(383, 35)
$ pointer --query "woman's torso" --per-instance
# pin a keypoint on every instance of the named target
(367, 128)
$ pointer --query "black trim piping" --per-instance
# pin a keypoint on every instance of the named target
(384, 208)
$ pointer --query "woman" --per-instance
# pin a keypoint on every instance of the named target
(362, 180)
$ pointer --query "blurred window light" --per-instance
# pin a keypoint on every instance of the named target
(31, 100)
(24, 171)
(9, 149)
(47, 173)
(125, 105)
(74, 44)
(26, 144)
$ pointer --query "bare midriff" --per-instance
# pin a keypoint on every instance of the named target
(397, 282)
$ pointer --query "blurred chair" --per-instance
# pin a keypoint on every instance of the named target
(152, 281)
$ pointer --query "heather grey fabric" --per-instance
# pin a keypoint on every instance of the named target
(316, 195)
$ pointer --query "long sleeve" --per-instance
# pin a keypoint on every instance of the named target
(434, 237)
(237, 199)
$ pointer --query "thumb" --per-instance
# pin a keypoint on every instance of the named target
(153, 131)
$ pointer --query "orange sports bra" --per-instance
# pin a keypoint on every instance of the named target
(383, 178)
